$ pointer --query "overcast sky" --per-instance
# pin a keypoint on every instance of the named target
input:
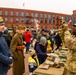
(59, 6)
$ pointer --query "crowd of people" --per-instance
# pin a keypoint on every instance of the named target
(42, 42)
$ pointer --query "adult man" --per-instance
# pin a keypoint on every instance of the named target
(70, 66)
(44, 33)
(7, 36)
(70, 43)
(16, 48)
(5, 55)
(64, 33)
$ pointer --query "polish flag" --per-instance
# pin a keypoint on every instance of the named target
(70, 22)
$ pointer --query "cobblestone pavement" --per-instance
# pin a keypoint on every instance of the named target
(26, 66)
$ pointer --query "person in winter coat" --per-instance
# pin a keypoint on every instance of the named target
(70, 43)
(44, 33)
(52, 38)
(6, 57)
(58, 40)
(41, 51)
(27, 38)
(66, 33)
(7, 37)
(16, 48)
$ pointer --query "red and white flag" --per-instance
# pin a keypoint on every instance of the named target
(70, 22)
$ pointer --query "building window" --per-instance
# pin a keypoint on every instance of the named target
(22, 13)
(72, 20)
(67, 19)
(40, 15)
(17, 13)
(11, 13)
(41, 21)
(22, 20)
(49, 16)
(53, 19)
(62, 18)
(27, 21)
(32, 14)
(27, 14)
(11, 19)
(6, 12)
(0, 12)
(45, 21)
(6, 19)
(36, 14)
(57, 20)
(16, 19)
(48, 21)
(45, 15)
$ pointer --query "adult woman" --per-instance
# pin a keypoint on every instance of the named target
(40, 48)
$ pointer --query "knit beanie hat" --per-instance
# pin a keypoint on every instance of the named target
(43, 40)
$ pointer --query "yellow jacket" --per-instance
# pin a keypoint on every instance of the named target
(31, 60)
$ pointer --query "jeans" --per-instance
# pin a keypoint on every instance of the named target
(3, 74)
(27, 46)
(31, 68)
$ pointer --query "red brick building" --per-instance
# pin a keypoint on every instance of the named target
(25, 17)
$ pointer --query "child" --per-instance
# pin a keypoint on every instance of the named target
(33, 62)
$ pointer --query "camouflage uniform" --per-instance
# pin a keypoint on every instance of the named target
(64, 32)
(66, 42)
(70, 65)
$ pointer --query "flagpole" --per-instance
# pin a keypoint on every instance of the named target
(24, 5)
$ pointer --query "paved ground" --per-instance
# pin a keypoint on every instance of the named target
(26, 66)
